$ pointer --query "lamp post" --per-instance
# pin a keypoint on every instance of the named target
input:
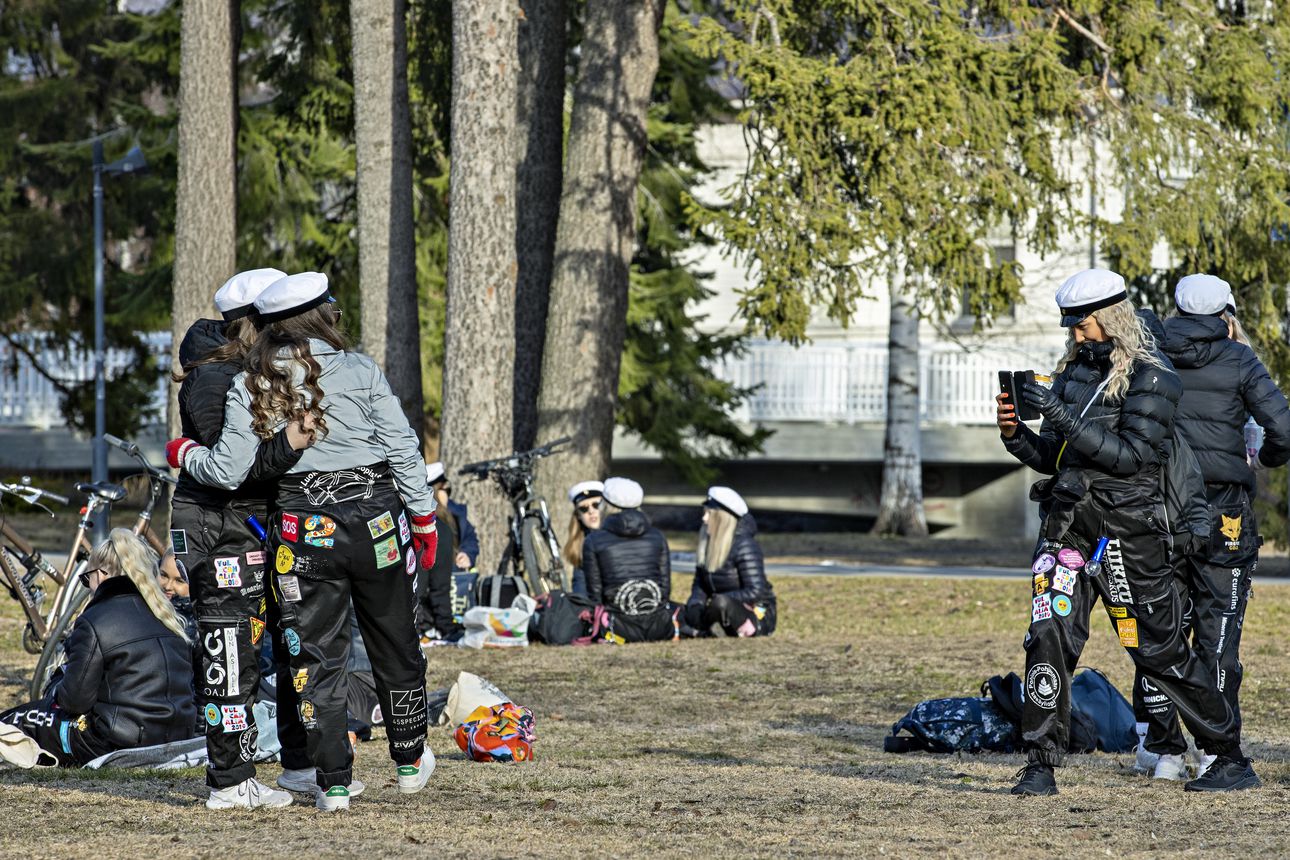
(133, 162)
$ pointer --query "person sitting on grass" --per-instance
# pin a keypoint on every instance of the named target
(731, 595)
(127, 682)
(585, 498)
(172, 576)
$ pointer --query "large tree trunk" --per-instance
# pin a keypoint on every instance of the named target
(206, 187)
(900, 508)
(387, 272)
(596, 236)
(479, 337)
(540, 134)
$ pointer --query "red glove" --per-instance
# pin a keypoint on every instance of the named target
(425, 538)
(177, 450)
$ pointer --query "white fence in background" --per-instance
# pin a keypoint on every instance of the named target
(29, 399)
(844, 382)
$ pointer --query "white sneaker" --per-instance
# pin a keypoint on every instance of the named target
(247, 795)
(305, 782)
(413, 777)
(1144, 761)
(1202, 763)
(1170, 767)
(333, 799)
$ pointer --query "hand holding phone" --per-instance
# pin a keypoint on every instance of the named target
(1010, 382)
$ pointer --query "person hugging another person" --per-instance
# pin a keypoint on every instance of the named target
(585, 518)
(731, 595)
(629, 568)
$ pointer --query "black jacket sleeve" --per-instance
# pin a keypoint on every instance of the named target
(591, 569)
(201, 398)
(698, 596)
(1145, 419)
(747, 559)
(665, 566)
(1039, 450)
(1268, 406)
(274, 458)
(83, 673)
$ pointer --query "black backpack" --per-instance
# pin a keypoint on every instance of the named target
(561, 617)
(499, 590)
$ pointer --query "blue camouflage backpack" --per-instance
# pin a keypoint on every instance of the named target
(968, 724)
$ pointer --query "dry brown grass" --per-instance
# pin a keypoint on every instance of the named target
(718, 747)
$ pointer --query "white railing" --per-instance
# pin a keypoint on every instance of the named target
(847, 382)
(29, 399)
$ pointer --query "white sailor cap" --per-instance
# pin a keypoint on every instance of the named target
(623, 493)
(586, 490)
(727, 500)
(1203, 295)
(291, 296)
(1088, 291)
(435, 472)
(236, 299)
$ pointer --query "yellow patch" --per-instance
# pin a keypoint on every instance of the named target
(1041, 583)
(1117, 612)
(286, 558)
(299, 681)
(1231, 530)
(257, 630)
(1128, 630)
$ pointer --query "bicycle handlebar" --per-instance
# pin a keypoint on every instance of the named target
(483, 467)
(32, 495)
(132, 450)
(116, 442)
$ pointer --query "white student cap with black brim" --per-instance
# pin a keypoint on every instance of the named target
(435, 472)
(586, 490)
(236, 299)
(727, 500)
(1088, 291)
(291, 296)
(623, 493)
(1203, 295)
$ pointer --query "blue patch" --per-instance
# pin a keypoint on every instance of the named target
(65, 735)
(293, 641)
(212, 714)
(1061, 604)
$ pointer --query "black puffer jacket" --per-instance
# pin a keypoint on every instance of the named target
(743, 575)
(1223, 384)
(127, 671)
(625, 548)
(201, 417)
(1124, 439)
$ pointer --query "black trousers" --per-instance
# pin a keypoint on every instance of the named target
(1146, 612)
(348, 542)
(1215, 584)
(226, 573)
(731, 615)
(72, 741)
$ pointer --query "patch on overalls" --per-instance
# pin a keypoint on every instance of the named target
(1062, 605)
(319, 530)
(300, 680)
(1231, 530)
(1117, 611)
(1043, 564)
(405, 533)
(1041, 583)
(286, 558)
(179, 541)
(387, 552)
(289, 586)
(1043, 608)
(1128, 630)
(228, 572)
(412, 561)
(1071, 557)
(1064, 580)
(290, 527)
(257, 629)
(378, 526)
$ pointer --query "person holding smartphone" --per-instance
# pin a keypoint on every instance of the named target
(1107, 420)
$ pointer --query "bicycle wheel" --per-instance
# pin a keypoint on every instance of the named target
(538, 562)
(52, 656)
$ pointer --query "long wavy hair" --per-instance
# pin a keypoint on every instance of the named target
(715, 538)
(241, 334)
(270, 376)
(126, 554)
(572, 552)
(1131, 343)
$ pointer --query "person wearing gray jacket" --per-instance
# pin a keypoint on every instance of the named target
(354, 520)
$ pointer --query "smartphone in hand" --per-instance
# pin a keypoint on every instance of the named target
(1010, 382)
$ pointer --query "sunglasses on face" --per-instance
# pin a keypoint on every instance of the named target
(588, 508)
(84, 576)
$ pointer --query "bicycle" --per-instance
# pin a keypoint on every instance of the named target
(532, 551)
(72, 596)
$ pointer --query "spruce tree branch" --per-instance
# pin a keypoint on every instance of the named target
(1081, 29)
(60, 385)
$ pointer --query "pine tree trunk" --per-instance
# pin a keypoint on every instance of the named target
(540, 121)
(900, 508)
(479, 336)
(596, 237)
(206, 186)
(387, 273)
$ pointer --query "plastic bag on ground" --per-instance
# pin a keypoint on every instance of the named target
(489, 627)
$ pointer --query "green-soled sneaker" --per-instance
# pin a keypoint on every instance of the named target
(333, 799)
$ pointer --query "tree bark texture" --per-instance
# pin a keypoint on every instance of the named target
(479, 337)
(387, 272)
(900, 506)
(540, 137)
(595, 238)
(206, 186)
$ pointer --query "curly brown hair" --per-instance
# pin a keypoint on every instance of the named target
(241, 334)
(270, 379)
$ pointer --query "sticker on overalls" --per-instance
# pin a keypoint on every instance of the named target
(290, 527)
(179, 541)
(286, 558)
(307, 714)
(228, 573)
(1043, 564)
(321, 543)
(293, 641)
(1128, 630)
(412, 561)
(290, 588)
(387, 552)
(256, 557)
(319, 530)
(1071, 558)
(300, 680)
(1042, 608)
(257, 629)
(405, 533)
(1117, 611)
(1041, 583)
(1043, 685)
(380, 525)
(1064, 580)
(1061, 605)
(234, 717)
(212, 714)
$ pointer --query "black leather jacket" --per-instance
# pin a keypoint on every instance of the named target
(201, 417)
(130, 674)
(743, 575)
(626, 547)
(1223, 384)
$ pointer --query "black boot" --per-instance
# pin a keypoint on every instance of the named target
(1035, 779)
(1227, 773)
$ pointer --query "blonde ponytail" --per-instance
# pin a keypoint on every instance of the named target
(125, 554)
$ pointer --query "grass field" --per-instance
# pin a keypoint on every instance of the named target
(718, 748)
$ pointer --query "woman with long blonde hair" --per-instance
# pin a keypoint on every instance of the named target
(731, 595)
(127, 679)
(586, 500)
(1107, 427)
